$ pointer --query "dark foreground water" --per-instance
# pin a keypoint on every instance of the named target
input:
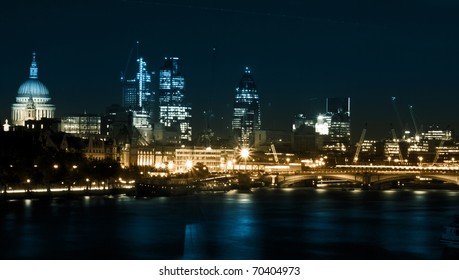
(265, 224)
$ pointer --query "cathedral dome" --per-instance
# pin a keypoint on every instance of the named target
(34, 88)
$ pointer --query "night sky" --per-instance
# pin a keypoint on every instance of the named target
(299, 52)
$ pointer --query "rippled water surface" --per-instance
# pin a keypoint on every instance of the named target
(262, 224)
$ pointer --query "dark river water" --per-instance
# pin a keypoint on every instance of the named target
(262, 224)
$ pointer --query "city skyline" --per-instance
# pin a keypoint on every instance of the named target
(303, 52)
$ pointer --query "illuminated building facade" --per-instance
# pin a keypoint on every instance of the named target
(246, 113)
(391, 149)
(339, 108)
(173, 110)
(323, 124)
(216, 160)
(32, 100)
(435, 133)
(81, 125)
(138, 95)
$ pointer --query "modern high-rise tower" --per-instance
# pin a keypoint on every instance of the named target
(173, 110)
(340, 128)
(138, 95)
(33, 100)
(246, 113)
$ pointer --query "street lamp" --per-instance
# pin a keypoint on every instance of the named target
(72, 181)
(420, 160)
(389, 159)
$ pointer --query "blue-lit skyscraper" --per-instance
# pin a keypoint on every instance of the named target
(246, 113)
(173, 110)
(138, 95)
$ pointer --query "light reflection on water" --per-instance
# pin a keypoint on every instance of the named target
(263, 224)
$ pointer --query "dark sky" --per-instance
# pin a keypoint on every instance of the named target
(299, 51)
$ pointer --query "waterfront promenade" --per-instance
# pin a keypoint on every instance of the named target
(356, 175)
(41, 192)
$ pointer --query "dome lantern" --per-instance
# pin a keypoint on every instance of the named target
(33, 87)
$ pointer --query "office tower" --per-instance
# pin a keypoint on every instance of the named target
(32, 100)
(246, 114)
(174, 111)
(339, 108)
(138, 95)
(337, 105)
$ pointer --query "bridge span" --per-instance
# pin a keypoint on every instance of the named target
(372, 175)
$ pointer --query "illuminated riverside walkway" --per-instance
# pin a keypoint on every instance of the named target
(373, 175)
(38, 192)
(363, 175)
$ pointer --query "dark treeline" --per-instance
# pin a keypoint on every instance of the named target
(47, 158)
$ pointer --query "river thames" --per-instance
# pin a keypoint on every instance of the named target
(302, 224)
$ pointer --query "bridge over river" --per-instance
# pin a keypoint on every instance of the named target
(372, 175)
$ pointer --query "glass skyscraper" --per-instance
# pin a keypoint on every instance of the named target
(246, 113)
(173, 110)
(138, 94)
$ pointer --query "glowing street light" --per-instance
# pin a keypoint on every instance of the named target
(189, 164)
(245, 155)
(420, 160)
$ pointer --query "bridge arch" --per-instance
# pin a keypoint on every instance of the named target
(367, 178)
(292, 179)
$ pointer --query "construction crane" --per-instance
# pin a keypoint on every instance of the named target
(397, 114)
(123, 74)
(414, 120)
(394, 138)
(273, 149)
(359, 145)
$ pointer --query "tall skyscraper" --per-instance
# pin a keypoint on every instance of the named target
(340, 127)
(246, 113)
(138, 95)
(173, 109)
(33, 100)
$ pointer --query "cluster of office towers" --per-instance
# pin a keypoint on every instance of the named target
(163, 114)
(169, 109)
